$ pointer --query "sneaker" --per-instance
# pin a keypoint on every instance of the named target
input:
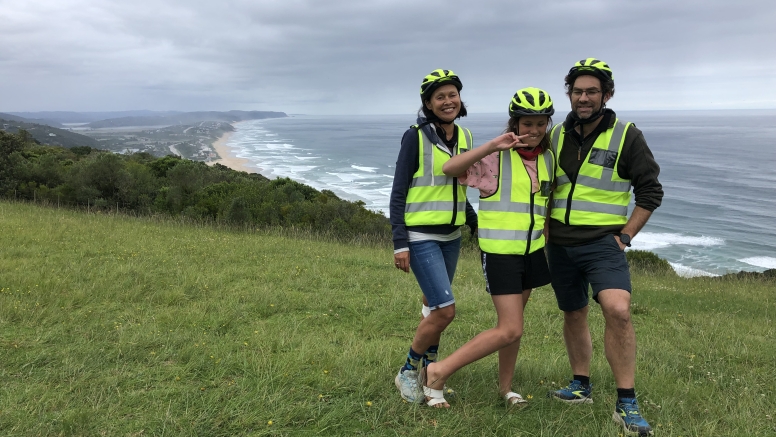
(626, 413)
(407, 383)
(574, 393)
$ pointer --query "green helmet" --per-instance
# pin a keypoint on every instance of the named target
(437, 78)
(531, 101)
(592, 66)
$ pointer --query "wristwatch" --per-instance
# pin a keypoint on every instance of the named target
(625, 238)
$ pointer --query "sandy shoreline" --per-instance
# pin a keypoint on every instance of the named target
(228, 157)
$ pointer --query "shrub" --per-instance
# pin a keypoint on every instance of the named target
(648, 262)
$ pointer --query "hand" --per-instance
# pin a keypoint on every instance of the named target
(520, 144)
(620, 243)
(505, 142)
(401, 261)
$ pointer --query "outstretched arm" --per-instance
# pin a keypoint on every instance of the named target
(458, 164)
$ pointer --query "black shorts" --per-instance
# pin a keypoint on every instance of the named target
(599, 264)
(511, 274)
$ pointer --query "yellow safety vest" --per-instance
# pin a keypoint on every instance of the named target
(435, 198)
(599, 196)
(511, 220)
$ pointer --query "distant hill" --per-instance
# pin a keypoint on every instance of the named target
(49, 135)
(185, 118)
(11, 117)
(88, 117)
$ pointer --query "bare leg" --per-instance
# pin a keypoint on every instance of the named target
(579, 345)
(430, 328)
(619, 336)
(508, 330)
(507, 358)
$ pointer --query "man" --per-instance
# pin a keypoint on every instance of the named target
(599, 159)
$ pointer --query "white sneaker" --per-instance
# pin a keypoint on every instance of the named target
(407, 383)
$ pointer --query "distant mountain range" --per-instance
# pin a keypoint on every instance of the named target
(135, 118)
(13, 117)
(185, 118)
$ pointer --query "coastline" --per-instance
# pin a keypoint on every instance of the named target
(228, 158)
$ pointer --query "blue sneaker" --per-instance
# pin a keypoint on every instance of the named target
(574, 393)
(407, 383)
(626, 413)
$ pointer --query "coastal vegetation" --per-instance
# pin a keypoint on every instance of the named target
(142, 184)
(113, 324)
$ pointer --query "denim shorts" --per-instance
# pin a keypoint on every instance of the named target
(433, 263)
(599, 264)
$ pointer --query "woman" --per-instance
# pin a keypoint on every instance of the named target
(427, 209)
(514, 180)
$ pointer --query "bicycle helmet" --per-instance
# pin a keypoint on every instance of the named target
(531, 101)
(437, 78)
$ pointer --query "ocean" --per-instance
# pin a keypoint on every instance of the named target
(717, 171)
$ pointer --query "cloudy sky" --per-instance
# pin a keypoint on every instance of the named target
(369, 56)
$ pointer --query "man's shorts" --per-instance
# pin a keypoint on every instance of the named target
(600, 264)
(511, 274)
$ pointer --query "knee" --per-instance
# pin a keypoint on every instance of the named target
(576, 317)
(443, 316)
(512, 335)
(618, 315)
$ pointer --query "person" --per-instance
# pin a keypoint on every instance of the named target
(599, 158)
(514, 173)
(427, 209)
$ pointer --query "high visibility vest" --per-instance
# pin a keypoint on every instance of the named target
(511, 220)
(599, 196)
(433, 197)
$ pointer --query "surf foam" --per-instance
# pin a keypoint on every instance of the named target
(765, 262)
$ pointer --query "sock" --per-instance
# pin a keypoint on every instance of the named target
(431, 355)
(585, 380)
(626, 393)
(413, 361)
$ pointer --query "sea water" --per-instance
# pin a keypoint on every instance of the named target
(717, 171)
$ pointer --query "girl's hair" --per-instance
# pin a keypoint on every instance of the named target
(512, 127)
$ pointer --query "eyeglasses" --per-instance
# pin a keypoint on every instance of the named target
(591, 92)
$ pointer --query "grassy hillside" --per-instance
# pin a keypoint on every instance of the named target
(123, 326)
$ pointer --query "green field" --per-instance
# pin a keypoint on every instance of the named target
(120, 326)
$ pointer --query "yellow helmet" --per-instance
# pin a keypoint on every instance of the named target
(531, 101)
(437, 78)
(592, 66)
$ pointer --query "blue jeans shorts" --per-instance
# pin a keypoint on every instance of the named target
(599, 264)
(433, 263)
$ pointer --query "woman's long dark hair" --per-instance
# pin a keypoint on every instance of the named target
(512, 127)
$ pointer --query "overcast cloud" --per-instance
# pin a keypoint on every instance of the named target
(369, 56)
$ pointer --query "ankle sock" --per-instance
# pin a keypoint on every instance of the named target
(585, 380)
(626, 393)
(431, 355)
(413, 361)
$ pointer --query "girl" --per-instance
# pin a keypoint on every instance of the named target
(514, 179)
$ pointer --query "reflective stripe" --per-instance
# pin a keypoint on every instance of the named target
(519, 207)
(601, 184)
(580, 205)
(502, 234)
(434, 206)
(424, 181)
(548, 165)
(555, 137)
(563, 180)
(614, 141)
(505, 184)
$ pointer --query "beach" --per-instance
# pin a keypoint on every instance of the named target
(228, 158)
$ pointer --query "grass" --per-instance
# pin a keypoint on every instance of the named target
(119, 326)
